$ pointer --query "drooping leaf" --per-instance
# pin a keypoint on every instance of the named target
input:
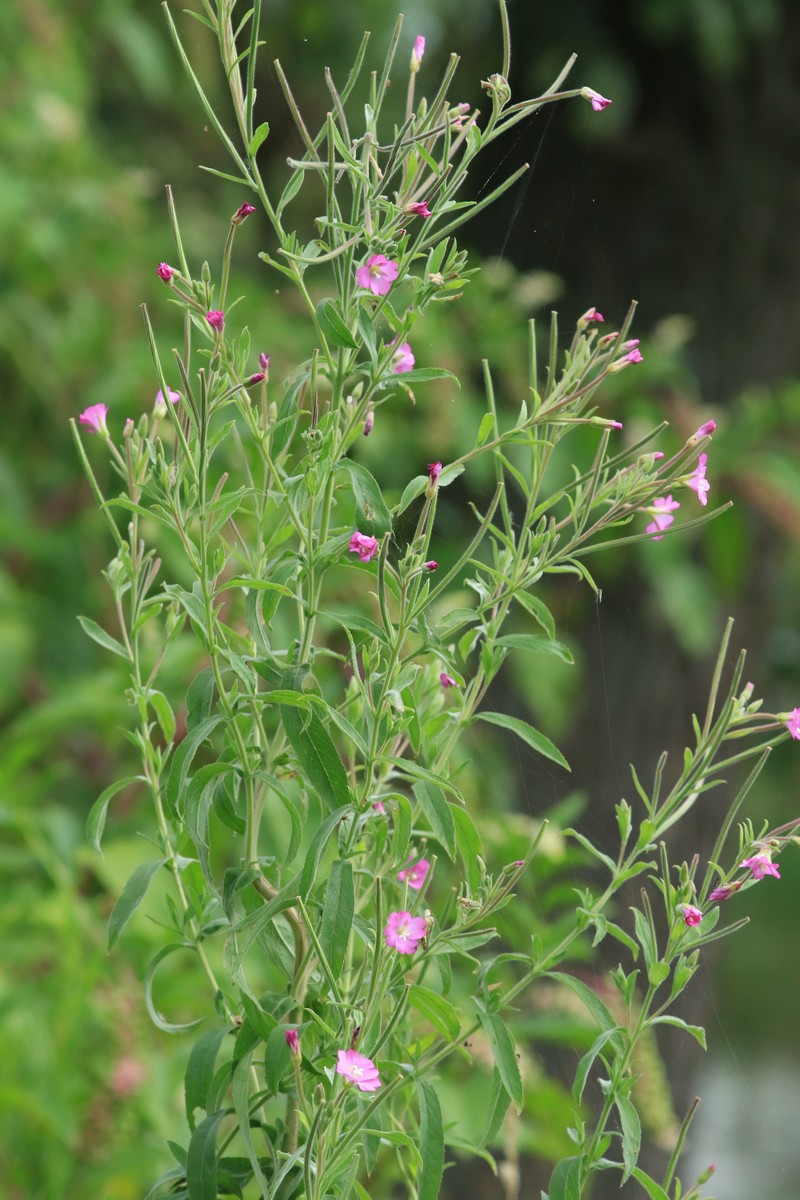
(131, 897)
(504, 1053)
(532, 736)
(631, 1134)
(372, 515)
(200, 1070)
(333, 326)
(537, 643)
(438, 813)
(440, 1012)
(93, 630)
(96, 820)
(182, 760)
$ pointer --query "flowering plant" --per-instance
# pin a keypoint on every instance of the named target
(339, 898)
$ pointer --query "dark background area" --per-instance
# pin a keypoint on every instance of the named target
(682, 194)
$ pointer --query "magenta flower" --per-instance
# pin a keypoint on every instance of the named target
(95, 417)
(761, 864)
(259, 377)
(404, 932)
(419, 209)
(292, 1041)
(705, 430)
(723, 892)
(633, 356)
(216, 319)
(165, 272)
(447, 681)
(378, 274)
(403, 359)
(691, 915)
(418, 52)
(379, 807)
(242, 213)
(358, 1070)
(263, 361)
(430, 565)
(415, 875)
(591, 314)
(597, 101)
(434, 471)
(662, 509)
(362, 545)
(160, 406)
(791, 721)
(697, 480)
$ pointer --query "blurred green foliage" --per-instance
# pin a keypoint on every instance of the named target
(95, 119)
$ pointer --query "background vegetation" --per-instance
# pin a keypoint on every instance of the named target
(683, 196)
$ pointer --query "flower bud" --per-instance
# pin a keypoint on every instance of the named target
(216, 320)
(430, 565)
(417, 53)
(369, 423)
(242, 213)
(254, 379)
(292, 1041)
(165, 272)
(263, 362)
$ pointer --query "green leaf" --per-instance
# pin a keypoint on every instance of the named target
(410, 492)
(394, 1137)
(372, 515)
(496, 1107)
(182, 760)
(337, 914)
(697, 1031)
(413, 769)
(261, 585)
(276, 1058)
(438, 814)
(201, 1161)
(131, 897)
(402, 829)
(653, 1189)
(631, 1134)
(93, 630)
(537, 643)
(436, 1009)
(594, 1004)
(469, 844)
(539, 610)
(317, 756)
(240, 1090)
(311, 864)
(532, 736)
(200, 697)
(158, 1020)
(333, 326)
(485, 428)
(644, 936)
(96, 820)
(504, 1053)
(424, 375)
(164, 714)
(586, 1063)
(431, 1142)
(565, 1180)
(200, 1070)
(259, 137)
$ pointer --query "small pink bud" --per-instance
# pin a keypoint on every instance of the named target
(242, 213)
(615, 424)
(597, 101)
(723, 893)
(431, 565)
(259, 377)
(417, 53)
(128, 430)
(165, 272)
(292, 1041)
(434, 471)
(216, 319)
(419, 209)
(447, 681)
(369, 423)
(263, 362)
(657, 454)
(706, 429)
(379, 807)
(591, 314)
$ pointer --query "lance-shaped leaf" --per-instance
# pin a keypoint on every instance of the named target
(337, 914)
(131, 897)
(532, 736)
(317, 756)
(431, 1142)
(504, 1053)
(372, 515)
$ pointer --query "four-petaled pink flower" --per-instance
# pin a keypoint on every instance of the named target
(95, 417)
(418, 52)
(761, 864)
(697, 480)
(404, 932)
(358, 1070)
(416, 874)
(378, 274)
(597, 101)
(662, 509)
(691, 915)
(706, 429)
(364, 546)
(165, 272)
(160, 406)
(242, 213)
(292, 1041)
(446, 680)
(792, 723)
(418, 209)
(403, 359)
(216, 319)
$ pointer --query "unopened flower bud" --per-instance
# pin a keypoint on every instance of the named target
(242, 213)
(705, 430)
(216, 320)
(436, 277)
(723, 893)
(430, 565)
(447, 681)
(498, 89)
(704, 1176)
(263, 362)
(417, 53)
(259, 377)
(368, 423)
(165, 272)
(128, 430)
(591, 314)
(597, 101)
(292, 1041)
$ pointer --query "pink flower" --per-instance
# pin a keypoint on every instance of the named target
(358, 1070)
(403, 359)
(418, 52)
(362, 545)
(614, 424)
(633, 356)
(263, 362)
(691, 915)
(415, 875)
(160, 406)
(369, 423)
(165, 272)
(242, 213)
(662, 509)
(292, 1041)
(591, 314)
(761, 864)
(457, 115)
(447, 681)
(378, 274)
(792, 722)
(404, 932)
(597, 101)
(430, 565)
(419, 209)
(434, 471)
(724, 892)
(379, 807)
(705, 430)
(697, 480)
(95, 417)
(216, 319)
